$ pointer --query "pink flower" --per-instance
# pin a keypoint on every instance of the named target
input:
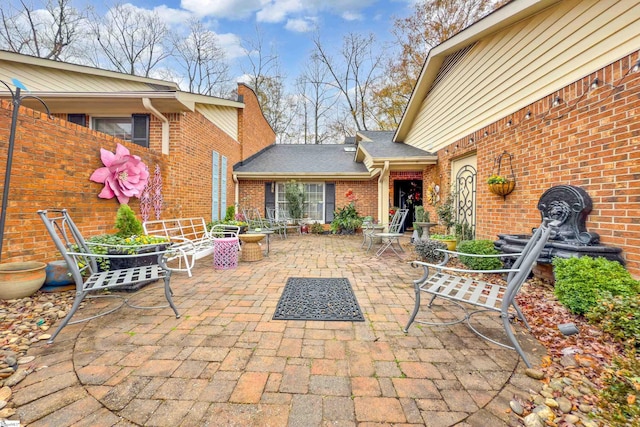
(123, 175)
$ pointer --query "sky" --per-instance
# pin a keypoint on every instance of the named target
(286, 26)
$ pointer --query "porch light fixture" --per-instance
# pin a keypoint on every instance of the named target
(509, 123)
(556, 101)
(528, 115)
(595, 83)
(471, 140)
(486, 133)
(636, 67)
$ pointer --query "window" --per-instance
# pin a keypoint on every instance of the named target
(79, 119)
(313, 200)
(134, 128)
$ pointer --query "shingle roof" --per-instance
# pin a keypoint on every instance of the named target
(330, 158)
(382, 146)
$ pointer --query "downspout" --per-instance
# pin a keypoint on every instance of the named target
(383, 194)
(236, 191)
(165, 124)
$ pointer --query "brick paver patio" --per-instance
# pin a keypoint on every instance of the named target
(225, 362)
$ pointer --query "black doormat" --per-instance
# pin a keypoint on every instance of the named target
(312, 298)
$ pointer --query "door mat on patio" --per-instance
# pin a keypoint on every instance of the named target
(312, 298)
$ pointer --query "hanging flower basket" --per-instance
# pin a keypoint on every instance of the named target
(503, 188)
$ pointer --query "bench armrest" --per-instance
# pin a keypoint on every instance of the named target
(439, 268)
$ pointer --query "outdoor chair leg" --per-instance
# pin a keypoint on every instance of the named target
(416, 308)
(516, 345)
(76, 304)
(168, 294)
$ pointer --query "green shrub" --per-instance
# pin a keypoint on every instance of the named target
(427, 251)
(581, 282)
(479, 247)
(317, 228)
(127, 223)
(346, 220)
(230, 214)
(618, 399)
(619, 316)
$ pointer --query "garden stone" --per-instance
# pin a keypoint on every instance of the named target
(536, 374)
(533, 420)
(571, 418)
(516, 407)
(564, 404)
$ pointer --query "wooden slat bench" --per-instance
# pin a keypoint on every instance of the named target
(466, 287)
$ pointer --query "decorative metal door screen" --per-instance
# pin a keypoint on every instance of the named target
(465, 201)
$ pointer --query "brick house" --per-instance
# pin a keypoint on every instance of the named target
(550, 85)
(194, 140)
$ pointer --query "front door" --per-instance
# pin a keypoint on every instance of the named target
(464, 178)
(407, 194)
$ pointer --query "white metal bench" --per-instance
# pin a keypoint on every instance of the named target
(462, 286)
(191, 236)
(83, 266)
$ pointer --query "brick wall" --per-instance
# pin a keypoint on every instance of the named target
(590, 140)
(252, 195)
(53, 159)
(254, 131)
(366, 193)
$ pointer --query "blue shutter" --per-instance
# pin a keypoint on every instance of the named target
(223, 186)
(215, 186)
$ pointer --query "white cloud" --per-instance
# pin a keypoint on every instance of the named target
(231, 44)
(172, 16)
(352, 16)
(230, 9)
(303, 25)
(278, 10)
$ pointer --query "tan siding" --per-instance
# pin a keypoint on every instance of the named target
(226, 118)
(38, 79)
(526, 62)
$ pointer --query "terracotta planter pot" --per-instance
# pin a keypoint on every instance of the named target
(21, 279)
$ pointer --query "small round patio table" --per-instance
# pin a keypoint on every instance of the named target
(251, 250)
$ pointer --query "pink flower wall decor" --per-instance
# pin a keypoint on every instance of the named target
(123, 175)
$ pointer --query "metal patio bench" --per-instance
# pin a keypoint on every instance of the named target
(465, 287)
(89, 278)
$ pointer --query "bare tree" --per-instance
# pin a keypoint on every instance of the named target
(132, 40)
(45, 33)
(431, 23)
(318, 99)
(353, 73)
(202, 60)
(265, 76)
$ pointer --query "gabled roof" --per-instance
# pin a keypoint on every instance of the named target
(377, 147)
(95, 90)
(500, 19)
(302, 161)
(523, 52)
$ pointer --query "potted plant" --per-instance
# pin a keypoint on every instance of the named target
(500, 185)
(449, 240)
(129, 239)
(294, 194)
(231, 218)
(422, 223)
(446, 215)
(427, 250)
